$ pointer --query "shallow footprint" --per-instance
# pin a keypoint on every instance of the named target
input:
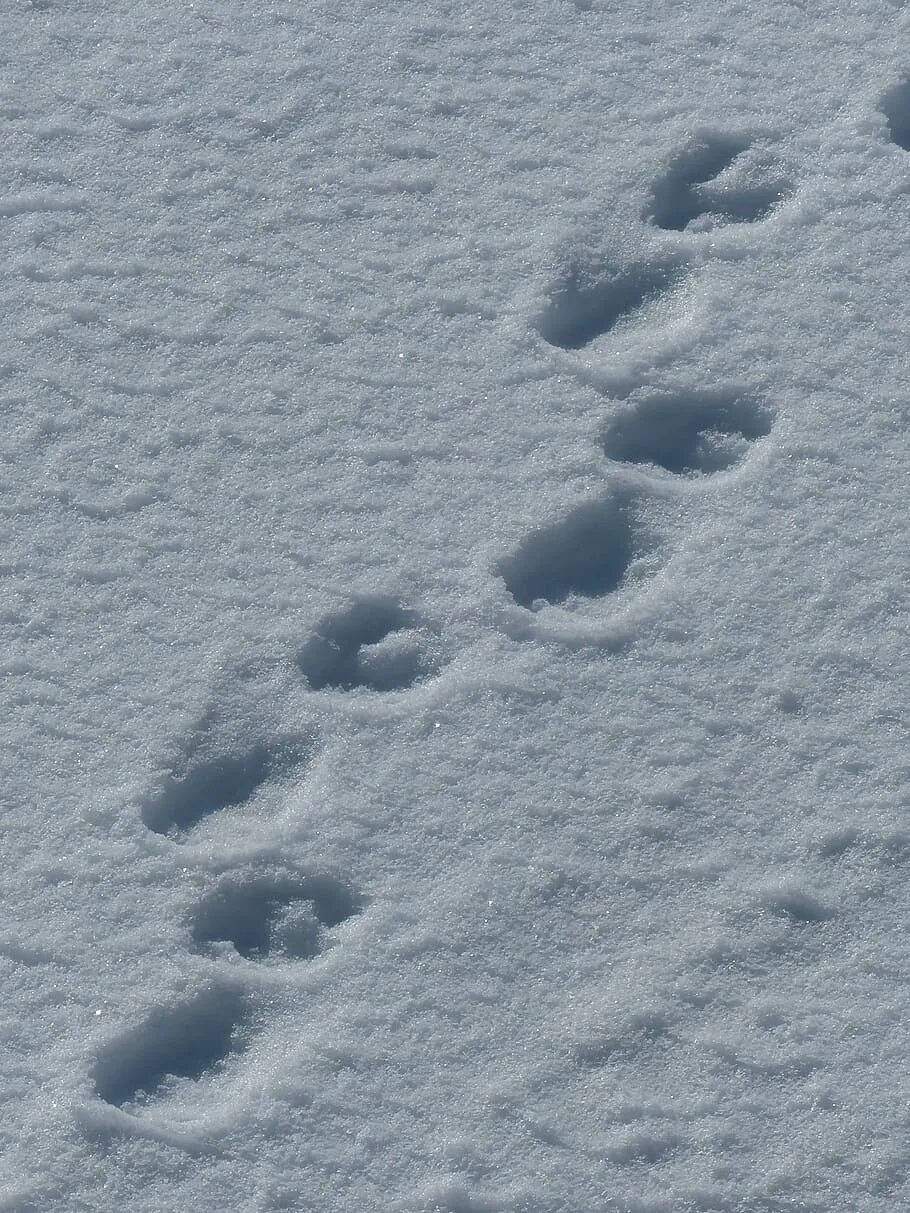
(712, 180)
(212, 778)
(687, 432)
(276, 914)
(588, 553)
(183, 1044)
(588, 301)
(375, 644)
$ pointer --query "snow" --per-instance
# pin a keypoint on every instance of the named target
(455, 696)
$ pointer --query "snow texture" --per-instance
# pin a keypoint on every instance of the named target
(453, 591)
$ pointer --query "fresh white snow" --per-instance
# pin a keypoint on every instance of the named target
(453, 479)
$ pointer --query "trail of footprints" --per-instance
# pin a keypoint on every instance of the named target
(695, 434)
(265, 913)
(278, 914)
(718, 179)
(590, 551)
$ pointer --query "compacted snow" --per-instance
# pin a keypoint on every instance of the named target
(453, 476)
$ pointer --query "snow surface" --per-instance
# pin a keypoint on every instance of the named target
(453, 477)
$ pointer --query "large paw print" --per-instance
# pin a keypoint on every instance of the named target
(375, 645)
(211, 777)
(718, 179)
(687, 433)
(176, 1045)
(588, 553)
(590, 300)
(274, 914)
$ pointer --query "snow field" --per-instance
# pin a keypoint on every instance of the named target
(453, 473)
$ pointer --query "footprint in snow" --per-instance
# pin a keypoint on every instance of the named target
(272, 915)
(375, 644)
(276, 914)
(687, 433)
(718, 179)
(590, 300)
(895, 105)
(595, 549)
(212, 776)
(174, 1047)
(586, 554)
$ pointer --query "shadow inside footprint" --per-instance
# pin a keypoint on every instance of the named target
(375, 644)
(585, 304)
(896, 108)
(587, 553)
(688, 432)
(189, 1041)
(206, 785)
(694, 186)
(273, 914)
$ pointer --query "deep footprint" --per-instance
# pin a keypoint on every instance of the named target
(896, 108)
(375, 644)
(191, 1041)
(702, 181)
(687, 432)
(588, 554)
(273, 914)
(205, 783)
(588, 303)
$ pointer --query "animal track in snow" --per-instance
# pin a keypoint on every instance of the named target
(587, 302)
(687, 432)
(895, 106)
(588, 553)
(713, 181)
(212, 779)
(186, 1043)
(278, 913)
(375, 644)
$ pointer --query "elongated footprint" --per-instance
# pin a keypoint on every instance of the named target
(590, 299)
(719, 178)
(187, 1042)
(688, 433)
(588, 553)
(214, 775)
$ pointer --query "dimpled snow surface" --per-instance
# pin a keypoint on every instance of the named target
(454, 474)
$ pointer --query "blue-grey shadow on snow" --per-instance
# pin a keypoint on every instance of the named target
(356, 648)
(687, 432)
(192, 1040)
(586, 554)
(588, 302)
(206, 783)
(895, 105)
(273, 913)
(688, 189)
